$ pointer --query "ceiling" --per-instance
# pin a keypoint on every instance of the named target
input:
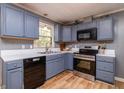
(64, 12)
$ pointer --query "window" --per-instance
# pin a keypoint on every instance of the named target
(45, 36)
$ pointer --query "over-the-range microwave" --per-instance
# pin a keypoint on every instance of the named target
(87, 34)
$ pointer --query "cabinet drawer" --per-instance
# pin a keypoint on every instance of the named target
(104, 58)
(54, 60)
(105, 76)
(51, 57)
(106, 66)
(14, 64)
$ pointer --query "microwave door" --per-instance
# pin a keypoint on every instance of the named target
(84, 36)
(87, 34)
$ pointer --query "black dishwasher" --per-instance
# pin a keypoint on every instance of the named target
(34, 72)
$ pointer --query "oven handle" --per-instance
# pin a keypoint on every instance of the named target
(89, 59)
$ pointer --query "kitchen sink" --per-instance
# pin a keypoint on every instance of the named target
(49, 52)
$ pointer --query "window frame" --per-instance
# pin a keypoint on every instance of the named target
(51, 25)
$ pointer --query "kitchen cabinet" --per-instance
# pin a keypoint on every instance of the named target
(31, 25)
(81, 26)
(66, 34)
(12, 20)
(68, 61)
(87, 25)
(57, 32)
(105, 76)
(74, 33)
(54, 66)
(13, 74)
(105, 29)
(19, 23)
(105, 68)
(14, 79)
(52, 57)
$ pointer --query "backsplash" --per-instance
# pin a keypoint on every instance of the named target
(109, 45)
(6, 44)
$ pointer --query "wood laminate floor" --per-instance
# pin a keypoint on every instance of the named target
(67, 80)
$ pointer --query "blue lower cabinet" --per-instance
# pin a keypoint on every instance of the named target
(13, 74)
(53, 57)
(105, 68)
(14, 79)
(53, 67)
(68, 61)
(105, 76)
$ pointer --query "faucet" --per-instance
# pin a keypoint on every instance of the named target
(46, 48)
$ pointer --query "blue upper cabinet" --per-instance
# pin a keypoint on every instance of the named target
(74, 33)
(57, 33)
(66, 36)
(87, 25)
(12, 20)
(31, 25)
(105, 29)
(17, 22)
(81, 26)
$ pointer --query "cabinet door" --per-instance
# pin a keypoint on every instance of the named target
(105, 29)
(66, 34)
(87, 25)
(105, 66)
(57, 33)
(68, 61)
(31, 25)
(14, 79)
(81, 26)
(61, 65)
(54, 67)
(13, 21)
(74, 33)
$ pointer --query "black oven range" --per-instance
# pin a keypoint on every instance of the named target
(84, 60)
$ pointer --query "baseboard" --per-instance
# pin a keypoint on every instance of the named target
(119, 79)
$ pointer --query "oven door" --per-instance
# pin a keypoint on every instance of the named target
(85, 66)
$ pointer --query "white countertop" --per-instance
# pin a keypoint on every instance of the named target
(107, 52)
(10, 55)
